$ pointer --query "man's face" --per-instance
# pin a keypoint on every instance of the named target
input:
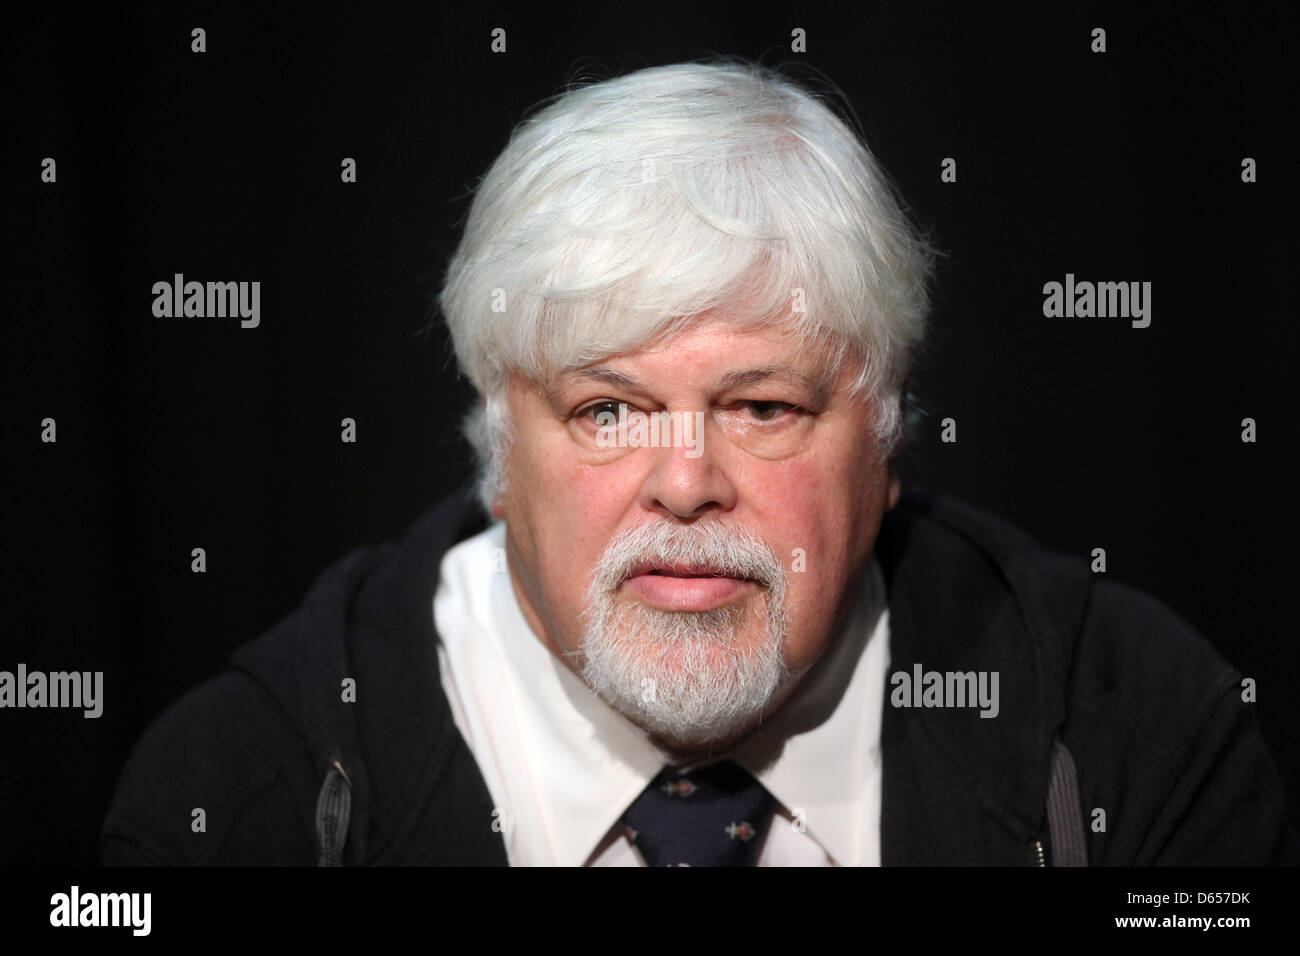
(692, 585)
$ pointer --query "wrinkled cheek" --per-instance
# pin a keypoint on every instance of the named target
(813, 598)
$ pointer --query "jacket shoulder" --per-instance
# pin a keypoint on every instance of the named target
(219, 778)
(1126, 640)
(1133, 647)
(1117, 649)
(1165, 743)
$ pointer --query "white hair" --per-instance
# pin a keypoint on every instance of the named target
(625, 209)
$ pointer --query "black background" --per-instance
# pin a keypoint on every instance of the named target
(181, 433)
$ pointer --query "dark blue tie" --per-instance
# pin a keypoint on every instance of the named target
(712, 816)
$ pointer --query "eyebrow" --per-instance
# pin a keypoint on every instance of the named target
(739, 378)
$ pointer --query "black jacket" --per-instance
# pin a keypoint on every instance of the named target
(1108, 701)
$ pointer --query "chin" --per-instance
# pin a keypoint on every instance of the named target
(696, 692)
(701, 744)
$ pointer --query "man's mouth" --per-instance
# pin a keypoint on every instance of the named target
(685, 587)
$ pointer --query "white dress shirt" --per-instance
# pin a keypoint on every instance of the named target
(562, 766)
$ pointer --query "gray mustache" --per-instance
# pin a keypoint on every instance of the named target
(734, 551)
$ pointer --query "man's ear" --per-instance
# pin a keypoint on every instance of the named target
(894, 484)
(498, 508)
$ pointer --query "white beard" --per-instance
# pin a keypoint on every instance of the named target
(681, 675)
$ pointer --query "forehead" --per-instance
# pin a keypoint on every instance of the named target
(735, 378)
(716, 354)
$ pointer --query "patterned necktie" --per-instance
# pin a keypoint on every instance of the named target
(711, 816)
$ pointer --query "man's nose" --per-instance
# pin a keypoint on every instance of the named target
(688, 478)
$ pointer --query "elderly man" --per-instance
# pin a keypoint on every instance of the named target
(694, 622)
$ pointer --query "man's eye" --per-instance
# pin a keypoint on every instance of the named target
(769, 411)
(595, 409)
